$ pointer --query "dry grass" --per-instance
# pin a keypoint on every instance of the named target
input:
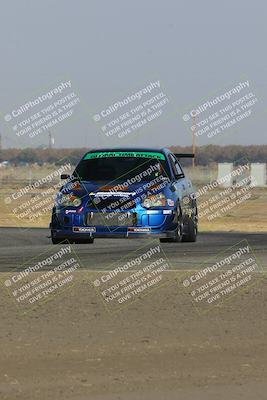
(250, 216)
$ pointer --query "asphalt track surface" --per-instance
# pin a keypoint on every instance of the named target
(18, 246)
(157, 348)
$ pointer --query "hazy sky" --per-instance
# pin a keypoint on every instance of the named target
(111, 49)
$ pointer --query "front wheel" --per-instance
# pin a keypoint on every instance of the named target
(56, 240)
(178, 232)
(190, 233)
(85, 241)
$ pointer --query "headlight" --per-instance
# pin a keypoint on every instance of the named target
(70, 200)
(155, 200)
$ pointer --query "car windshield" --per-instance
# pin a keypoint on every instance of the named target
(133, 167)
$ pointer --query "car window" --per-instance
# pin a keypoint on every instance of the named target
(178, 167)
(120, 166)
(175, 165)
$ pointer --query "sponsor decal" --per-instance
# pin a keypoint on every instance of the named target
(170, 202)
(139, 230)
(114, 154)
(84, 229)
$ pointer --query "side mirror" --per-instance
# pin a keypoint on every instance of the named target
(172, 187)
(179, 176)
(64, 176)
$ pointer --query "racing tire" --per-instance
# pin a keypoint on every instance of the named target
(57, 240)
(178, 235)
(87, 241)
(191, 232)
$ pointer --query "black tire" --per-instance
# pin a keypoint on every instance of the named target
(85, 241)
(178, 232)
(57, 240)
(190, 234)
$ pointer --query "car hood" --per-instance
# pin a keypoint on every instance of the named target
(85, 187)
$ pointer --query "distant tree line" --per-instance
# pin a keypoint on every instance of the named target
(205, 155)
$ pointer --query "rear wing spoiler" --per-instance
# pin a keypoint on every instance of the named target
(184, 155)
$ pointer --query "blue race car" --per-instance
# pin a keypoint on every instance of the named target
(126, 193)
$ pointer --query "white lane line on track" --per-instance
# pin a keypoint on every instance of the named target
(167, 270)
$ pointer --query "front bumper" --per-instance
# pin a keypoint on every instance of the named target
(147, 223)
(60, 234)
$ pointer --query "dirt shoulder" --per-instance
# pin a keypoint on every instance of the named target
(159, 347)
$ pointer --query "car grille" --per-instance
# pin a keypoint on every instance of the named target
(111, 203)
(111, 219)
